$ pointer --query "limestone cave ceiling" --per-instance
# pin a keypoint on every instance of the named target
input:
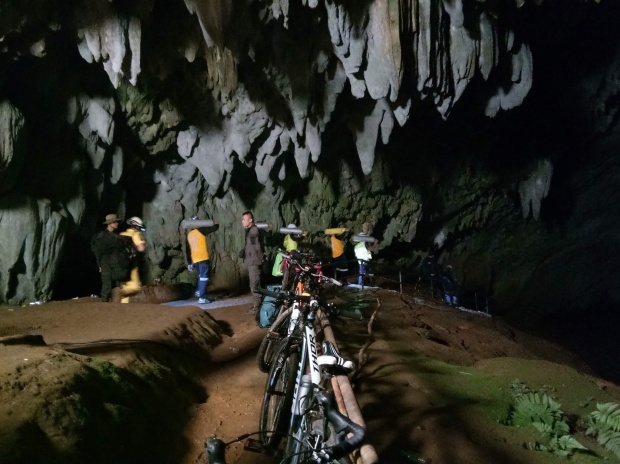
(319, 112)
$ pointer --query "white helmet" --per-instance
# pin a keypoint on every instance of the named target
(136, 222)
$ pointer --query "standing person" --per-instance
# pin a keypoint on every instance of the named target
(363, 254)
(291, 241)
(108, 248)
(134, 232)
(290, 244)
(253, 256)
(339, 259)
(431, 270)
(197, 255)
(450, 286)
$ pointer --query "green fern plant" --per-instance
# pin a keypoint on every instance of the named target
(563, 446)
(544, 413)
(541, 411)
(604, 424)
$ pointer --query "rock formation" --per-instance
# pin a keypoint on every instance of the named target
(322, 113)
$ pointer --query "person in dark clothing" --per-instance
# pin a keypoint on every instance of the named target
(253, 256)
(108, 248)
(431, 272)
(450, 286)
(197, 255)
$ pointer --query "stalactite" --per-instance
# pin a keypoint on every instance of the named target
(222, 68)
(111, 37)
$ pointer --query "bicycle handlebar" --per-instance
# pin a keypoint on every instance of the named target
(342, 424)
(285, 295)
(215, 450)
(306, 269)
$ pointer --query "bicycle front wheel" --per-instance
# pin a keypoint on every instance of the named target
(278, 397)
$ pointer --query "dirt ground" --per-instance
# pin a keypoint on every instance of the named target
(85, 381)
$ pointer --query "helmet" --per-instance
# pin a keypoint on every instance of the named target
(136, 222)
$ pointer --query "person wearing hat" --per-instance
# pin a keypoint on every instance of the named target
(197, 256)
(134, 232)
(291, 241)
(290, 244)
(108, 248)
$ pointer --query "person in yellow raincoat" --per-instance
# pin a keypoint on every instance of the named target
(290, 244)
(135, 229)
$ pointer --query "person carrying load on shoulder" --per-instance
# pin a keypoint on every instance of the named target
(290, 244)
(364, 255)
(197, 255)
(291, 241)
(134, 232)
(339, 258)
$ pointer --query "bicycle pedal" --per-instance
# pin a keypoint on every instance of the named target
(253, 445)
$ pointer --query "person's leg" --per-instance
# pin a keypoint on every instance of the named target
(362, 271)
(254, 274)
(132, 286)
(342, 268)
(106, 283)
(203, 278)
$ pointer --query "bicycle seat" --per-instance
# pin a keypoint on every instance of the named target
(330, 358)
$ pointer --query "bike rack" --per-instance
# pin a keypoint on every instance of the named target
(345, 398)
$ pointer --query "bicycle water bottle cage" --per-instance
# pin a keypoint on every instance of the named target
(331, 360)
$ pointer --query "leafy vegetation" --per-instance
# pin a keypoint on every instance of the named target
(544, 413)
(604, 424)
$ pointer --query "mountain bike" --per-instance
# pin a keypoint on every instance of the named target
(307, 279)
(298, 402)
(319, 432)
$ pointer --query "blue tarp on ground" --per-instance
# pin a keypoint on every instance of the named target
(217, 303)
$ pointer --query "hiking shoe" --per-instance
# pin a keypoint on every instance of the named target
(203, 301)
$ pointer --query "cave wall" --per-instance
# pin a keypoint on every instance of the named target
(319, 113)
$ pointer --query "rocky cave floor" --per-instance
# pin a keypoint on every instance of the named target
(85, 381)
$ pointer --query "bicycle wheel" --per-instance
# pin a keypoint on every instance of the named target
(278, 397)
(287, 281)
(267, 348)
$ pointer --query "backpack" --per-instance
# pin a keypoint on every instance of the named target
(127, 254)
(268, 309)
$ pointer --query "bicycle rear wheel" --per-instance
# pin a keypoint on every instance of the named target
(268, 346)
(278, 397)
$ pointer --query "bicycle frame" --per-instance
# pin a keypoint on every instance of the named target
(309, 357)
(306, 384)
